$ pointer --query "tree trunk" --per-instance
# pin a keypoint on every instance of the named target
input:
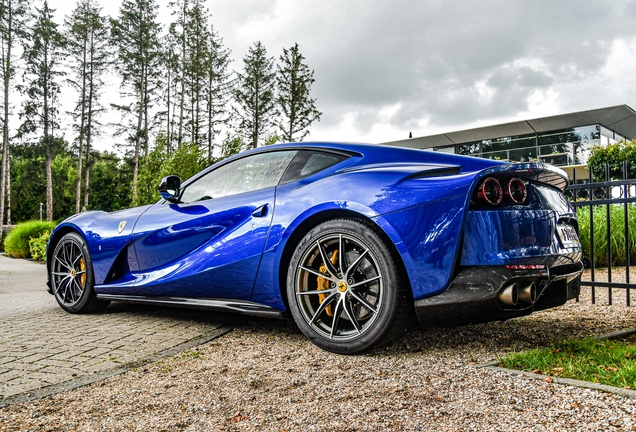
(86, 183)
(89, 119)
(183, 69)
(3, 184)
(47, 140)
(8, 189)
(138, 138)
(49, 184)
(5, 165)
(209, 101)
(3, 174)
(146, 143)
(168, 137)
(78, 192)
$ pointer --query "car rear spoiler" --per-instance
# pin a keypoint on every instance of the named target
(534, 172)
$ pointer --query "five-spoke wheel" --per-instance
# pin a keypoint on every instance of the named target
(345, 287)
(72, 276)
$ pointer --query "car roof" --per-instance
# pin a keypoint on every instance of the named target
(377, 154)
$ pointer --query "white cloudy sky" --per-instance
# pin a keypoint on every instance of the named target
(387, 68)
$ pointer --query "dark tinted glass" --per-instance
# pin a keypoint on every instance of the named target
(308, 162)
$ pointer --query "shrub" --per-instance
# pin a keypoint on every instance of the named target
(37, 246)
(617, 234)
(614, 155)
(17, 243)
(5, 234)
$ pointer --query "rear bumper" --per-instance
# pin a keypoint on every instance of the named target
(474, 294)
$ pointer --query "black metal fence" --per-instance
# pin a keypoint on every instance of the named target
(607, 227)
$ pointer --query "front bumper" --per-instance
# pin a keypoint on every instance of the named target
(474, 294)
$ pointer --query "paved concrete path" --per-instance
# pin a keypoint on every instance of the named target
(42, 346)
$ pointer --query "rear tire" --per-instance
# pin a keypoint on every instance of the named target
(349, 302)
(72, 277)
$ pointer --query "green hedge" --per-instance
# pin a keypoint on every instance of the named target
(17, 242)
(617, 234)
(37, 246)
(613, 155)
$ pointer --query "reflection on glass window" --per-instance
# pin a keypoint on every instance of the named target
(447, 149)
(469, 149)
(319, 161)
(247, 174)
(562, 147)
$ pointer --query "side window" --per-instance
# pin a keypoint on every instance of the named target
(308, 162)
(247, 174)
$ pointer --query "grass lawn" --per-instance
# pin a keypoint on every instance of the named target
(610, 362)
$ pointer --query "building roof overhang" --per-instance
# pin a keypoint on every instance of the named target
(620, 119)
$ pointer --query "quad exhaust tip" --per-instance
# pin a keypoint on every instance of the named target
(524, 292)
(527, 292)
(509, 295)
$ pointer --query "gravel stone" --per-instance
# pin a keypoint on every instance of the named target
(265, 375)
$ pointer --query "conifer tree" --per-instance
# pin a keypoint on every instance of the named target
(178, 29)
(200, 74)
(298, 109)
(87, 44)
(169, 75)
(255, 95)
(217, 91)
(196, 63)
(13, 20)
(135, 34)
(43, 55)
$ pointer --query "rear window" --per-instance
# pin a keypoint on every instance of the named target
(308, 162)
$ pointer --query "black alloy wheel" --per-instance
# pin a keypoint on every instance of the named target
(346, 288)
(72, 277)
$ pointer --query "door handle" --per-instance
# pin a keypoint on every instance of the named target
(260, 211)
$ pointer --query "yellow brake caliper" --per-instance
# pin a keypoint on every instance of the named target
(323, 283)
(83, 268)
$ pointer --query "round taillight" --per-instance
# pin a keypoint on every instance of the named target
(517, 190)
(490, 191)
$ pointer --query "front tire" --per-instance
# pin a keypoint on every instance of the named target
(72, 276)
(347, 288)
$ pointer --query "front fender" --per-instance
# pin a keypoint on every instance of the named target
(105, 234)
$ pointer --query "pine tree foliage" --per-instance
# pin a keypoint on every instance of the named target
(89, 59)
(13, 21)
(217, 91)
(177, 85)
(231, 145)
(43, 56)
(297, 108)
(178, 32)
(200, 78)
(255, 95)
(195, 62)
(169, 66)
(135, 34)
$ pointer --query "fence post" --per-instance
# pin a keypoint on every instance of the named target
(608, 196)
(626, 221)
(592, 255)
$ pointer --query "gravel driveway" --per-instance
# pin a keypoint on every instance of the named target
(265, 375)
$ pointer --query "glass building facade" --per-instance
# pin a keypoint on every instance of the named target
(564, 140)
(565, 147)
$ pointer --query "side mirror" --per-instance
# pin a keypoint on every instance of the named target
(169, 188)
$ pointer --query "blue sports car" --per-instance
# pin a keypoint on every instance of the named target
(355, 241)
